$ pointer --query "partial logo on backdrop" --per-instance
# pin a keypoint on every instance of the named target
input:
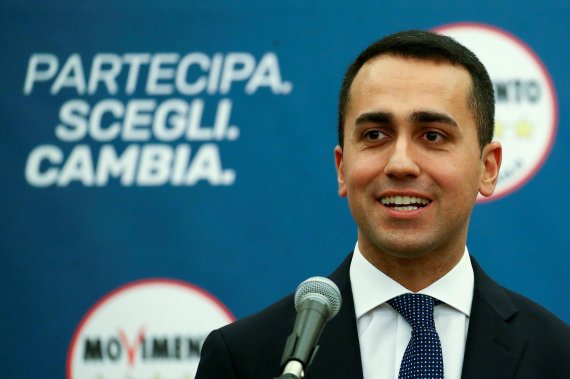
(526, 115)
(150, 329)
(173, 134)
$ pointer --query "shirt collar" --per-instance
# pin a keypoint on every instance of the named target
(371, 287)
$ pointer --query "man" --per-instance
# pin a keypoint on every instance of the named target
(416, 117)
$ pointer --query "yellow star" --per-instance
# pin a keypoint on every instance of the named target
(523, 129)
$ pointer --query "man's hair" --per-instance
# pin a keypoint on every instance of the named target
(429, 46)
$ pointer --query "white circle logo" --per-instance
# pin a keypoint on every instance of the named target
(148, 329)
(526, 114)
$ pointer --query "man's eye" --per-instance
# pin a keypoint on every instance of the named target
(433, 136)
(374, 135)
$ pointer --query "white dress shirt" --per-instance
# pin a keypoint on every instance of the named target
(384, 334)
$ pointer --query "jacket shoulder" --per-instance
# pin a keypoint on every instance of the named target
(536, 321)
(250, 347)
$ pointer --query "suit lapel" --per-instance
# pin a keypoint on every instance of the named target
(493, 347)
(339, 350)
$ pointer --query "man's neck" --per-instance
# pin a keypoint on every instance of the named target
(415, 273)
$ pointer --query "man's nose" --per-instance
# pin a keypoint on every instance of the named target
(402, 161)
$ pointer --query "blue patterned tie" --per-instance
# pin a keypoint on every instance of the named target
(423, 357)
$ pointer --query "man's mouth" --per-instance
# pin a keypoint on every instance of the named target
(404, 203)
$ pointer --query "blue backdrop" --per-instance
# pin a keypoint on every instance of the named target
(261, 212)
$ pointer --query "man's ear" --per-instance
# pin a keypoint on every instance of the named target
(490, 165)
(339, 171)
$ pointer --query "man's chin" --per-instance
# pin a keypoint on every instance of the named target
(403, 248)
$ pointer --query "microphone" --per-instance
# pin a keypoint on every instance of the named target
(317, 300)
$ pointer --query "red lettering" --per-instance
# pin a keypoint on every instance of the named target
(131, 349)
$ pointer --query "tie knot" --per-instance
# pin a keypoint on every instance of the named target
(416, 308)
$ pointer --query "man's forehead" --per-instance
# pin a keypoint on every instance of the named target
(390, 68)
(409, 86)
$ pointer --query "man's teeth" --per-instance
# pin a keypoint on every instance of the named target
(405, 203)
(408, 208)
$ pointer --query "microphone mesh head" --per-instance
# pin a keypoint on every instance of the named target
(323, 288)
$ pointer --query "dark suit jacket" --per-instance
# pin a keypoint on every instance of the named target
(509, 337)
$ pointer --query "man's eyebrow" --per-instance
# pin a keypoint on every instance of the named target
(428, 116)
(381, 117)
(375, 118)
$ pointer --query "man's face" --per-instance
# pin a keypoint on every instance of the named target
(411, 165)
